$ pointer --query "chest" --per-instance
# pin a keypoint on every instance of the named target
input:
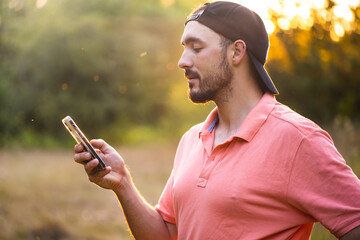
(234, 179)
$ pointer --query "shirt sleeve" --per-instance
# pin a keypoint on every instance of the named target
(165, 205)
(323, 186)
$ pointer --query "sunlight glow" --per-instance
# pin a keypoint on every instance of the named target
(319, 4)
(40, 3)
(334, 37)
(167, 3)
(304, 11)
(17, 5)
(350, 3)
(283, 23)
(269, 26)
(290, 14)
(324, 16)
(339, 30)
(289, 9)
(344, 12)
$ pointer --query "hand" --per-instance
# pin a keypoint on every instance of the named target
(115, 172)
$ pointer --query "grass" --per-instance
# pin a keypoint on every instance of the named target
(44, 195)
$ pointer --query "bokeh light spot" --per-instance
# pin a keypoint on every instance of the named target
(167, 3)
(64, 86)
(40, 3)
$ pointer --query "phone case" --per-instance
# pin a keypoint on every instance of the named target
(79, 137)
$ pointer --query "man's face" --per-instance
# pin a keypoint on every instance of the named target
(205, 63)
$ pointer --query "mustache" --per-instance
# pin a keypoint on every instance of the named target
(191, 73)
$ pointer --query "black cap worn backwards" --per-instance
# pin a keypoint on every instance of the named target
(235, 22)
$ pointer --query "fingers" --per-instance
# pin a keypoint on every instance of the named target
(91, 166)
(100, 144)
(96, 175)
(78, 148)
(94, 172)
(82, 157)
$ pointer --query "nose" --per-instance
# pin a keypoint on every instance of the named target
(185, 60)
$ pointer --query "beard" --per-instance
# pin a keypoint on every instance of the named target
(213, 82)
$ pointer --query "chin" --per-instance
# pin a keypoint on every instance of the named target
(197, 97)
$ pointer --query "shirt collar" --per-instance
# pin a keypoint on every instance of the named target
(256, 117)
(210, 122)
(252, 123)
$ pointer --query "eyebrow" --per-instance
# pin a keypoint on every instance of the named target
(189, 40)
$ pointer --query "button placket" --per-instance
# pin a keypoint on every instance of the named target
(210, 164)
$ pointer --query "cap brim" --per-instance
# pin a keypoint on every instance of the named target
(264, 76)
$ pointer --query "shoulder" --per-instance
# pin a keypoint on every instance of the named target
(288, 121)
(187, 142)
(193, 133)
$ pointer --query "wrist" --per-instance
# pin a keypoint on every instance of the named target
(124, 187)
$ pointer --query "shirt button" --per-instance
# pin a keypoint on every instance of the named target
(201, 182)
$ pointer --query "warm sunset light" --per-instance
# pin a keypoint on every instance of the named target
(167, 3)
(143, 54)
(113, 66)
(41, 3)
(291, 14)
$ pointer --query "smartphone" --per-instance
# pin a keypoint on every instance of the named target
(79, 137)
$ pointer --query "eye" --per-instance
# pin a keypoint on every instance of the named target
(197, 49)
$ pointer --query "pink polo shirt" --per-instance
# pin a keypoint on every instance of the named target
(273, 179)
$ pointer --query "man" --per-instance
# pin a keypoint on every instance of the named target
(254, 169)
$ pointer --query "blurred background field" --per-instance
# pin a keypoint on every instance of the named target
(45, 195)
(112, 66)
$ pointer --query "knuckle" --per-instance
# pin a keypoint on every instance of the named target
(87, 167)
(78, 148)
(91, 179)
(76, 157)
(84, 155)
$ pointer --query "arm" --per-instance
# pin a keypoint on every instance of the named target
(144, 221)
(353, 234)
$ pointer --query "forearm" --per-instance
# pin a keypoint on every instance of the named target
(144, 221)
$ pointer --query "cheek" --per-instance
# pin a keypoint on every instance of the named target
(210, 59)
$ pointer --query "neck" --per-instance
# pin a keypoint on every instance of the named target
(234, 104)
(234, 110)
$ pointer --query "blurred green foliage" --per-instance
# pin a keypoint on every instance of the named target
(324, 80)
(112, 66)
(107, 64)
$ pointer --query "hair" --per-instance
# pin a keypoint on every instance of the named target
(225, 42)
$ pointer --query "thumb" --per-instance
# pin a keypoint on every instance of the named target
(100, 144)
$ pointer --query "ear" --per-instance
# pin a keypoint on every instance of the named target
(239, 51)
